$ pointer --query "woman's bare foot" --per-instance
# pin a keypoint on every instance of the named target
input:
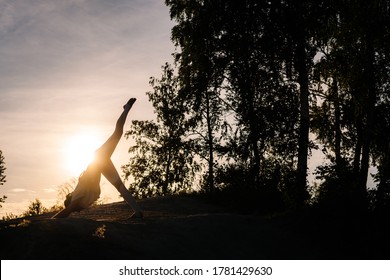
(129, 103)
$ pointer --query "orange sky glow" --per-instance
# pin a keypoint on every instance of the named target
(66, 69)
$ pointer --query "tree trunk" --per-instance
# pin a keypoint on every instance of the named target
(369, 110)
(303, 141)
(210, 179)
(167, 171)
(337, 113)
(254, 132)
(358, 147)
(384, 177)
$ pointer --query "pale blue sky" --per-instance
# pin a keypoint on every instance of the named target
(67, 67)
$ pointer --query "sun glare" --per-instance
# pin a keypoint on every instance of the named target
(79, 151)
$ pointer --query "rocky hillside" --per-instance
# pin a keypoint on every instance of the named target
(188, 228)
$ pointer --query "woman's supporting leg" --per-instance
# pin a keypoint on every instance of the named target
(109, 171)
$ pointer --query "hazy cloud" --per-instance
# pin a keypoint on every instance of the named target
(18, 190)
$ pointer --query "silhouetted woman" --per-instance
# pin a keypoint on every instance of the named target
(87, 190)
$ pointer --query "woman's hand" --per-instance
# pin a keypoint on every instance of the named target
(137, 215)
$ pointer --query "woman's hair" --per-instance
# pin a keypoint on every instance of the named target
(68, 199)
(85, 178)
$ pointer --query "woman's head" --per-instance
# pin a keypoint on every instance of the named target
(68, 199)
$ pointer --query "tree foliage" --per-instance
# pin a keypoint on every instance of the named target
(226, 46)
(287, 68)
(35, 208)
(162, 159)
(2, 176)
(261, 84)
(353, 76)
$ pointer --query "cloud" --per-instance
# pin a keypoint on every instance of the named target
(11, 15)
(94, 45)
(73, 29)
(19, 190)
(79, 55)
(50, 190)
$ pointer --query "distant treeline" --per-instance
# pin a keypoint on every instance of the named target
(256, 86)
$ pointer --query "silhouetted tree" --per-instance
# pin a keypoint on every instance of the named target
(201, 74)
(282, 69)
(162, 159)
(2, 175)
(232, 47)
(381, 155)
(332, 114)
(35, 208)
(378, 25)
(354, 68)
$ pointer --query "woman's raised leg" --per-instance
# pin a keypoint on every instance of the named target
(107, 149)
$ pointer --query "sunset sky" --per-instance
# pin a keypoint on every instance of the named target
(66, 69)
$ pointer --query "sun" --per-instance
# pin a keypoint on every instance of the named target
(79, 151)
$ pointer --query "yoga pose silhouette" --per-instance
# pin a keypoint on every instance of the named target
(87, 190)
